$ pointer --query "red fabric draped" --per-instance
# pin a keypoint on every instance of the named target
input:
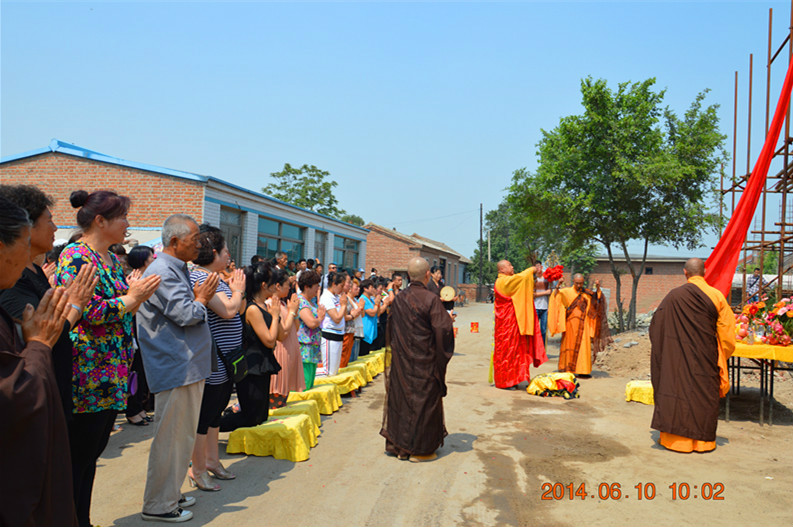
(721, 265)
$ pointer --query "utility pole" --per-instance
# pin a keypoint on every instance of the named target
(489, 259)
(481, 263)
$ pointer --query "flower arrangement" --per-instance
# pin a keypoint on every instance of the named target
(774, 326)
(552, 274)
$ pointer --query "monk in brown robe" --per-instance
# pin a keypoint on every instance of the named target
(692, 336)
(580, 315)
(517, 340)
(421, 343)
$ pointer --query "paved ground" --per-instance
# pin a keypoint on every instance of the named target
(503, 446)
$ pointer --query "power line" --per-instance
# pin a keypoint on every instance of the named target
(437, 217)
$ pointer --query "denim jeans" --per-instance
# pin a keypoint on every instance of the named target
(542, 315)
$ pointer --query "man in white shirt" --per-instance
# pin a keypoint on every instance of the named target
(332, 324)
(542, 291)
(332, 268)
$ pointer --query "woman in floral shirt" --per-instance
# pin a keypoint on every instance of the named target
(308, 334)
(102, 339)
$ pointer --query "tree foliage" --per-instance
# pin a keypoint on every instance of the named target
(626, 169)
(352, 218)
(523, 243)
(307, 187)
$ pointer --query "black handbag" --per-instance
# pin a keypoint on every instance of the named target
(235, 362)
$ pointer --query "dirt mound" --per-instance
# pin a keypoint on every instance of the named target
(632, 361)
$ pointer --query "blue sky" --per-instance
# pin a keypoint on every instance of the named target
(420, 111)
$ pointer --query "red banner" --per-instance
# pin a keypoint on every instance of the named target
(723, 261)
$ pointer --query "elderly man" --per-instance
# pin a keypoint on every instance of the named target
(422, 343)
(517, 340)
(692, 336)
(580, 314)
(176, 348)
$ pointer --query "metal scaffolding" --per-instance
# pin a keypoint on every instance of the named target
(765, 240)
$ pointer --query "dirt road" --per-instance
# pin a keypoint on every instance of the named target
(503, 445)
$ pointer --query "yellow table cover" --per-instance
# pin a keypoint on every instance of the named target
(375, 362)
(763, 351)
(347, 381)
(327, 396)
(289, 437)
(640, 391)
(309, 408)
(370, 363)
(361, 368)
(386, 356)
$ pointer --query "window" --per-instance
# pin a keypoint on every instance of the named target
(275, 236)
(648, 270)
(320, 242)
(345, 252)
(231, 226)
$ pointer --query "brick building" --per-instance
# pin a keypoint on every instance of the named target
(253, 223)
(661, 275)
(389, 251)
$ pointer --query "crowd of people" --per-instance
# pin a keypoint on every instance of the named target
(172, 333)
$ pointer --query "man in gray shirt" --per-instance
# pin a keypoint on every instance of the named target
(176, 348)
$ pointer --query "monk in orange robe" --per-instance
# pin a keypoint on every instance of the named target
(580, 315)
(692, 336)
(517, 342)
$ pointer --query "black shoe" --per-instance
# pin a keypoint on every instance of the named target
(175, 516)
(186, 501)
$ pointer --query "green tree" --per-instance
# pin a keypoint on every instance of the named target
(626, 169)
(523, 243)
(307, 187)
(352, 218)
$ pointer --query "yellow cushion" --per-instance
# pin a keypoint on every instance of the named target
(309, 408)
(289, 437)
(346, 381)
(640, 391)
(327, 396)
(359, 367)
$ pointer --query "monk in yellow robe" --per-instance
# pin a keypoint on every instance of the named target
(692, 336)
(517, 342)
(579, 314)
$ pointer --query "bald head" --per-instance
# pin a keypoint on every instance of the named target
(578, 281)
(418, 269)
(505, 267)
(694, 267)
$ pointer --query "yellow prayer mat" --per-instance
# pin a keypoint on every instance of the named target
(361, 368)
(347, 382)
(385, 353)
(327, 396)
(290, 437)
(309, 408)
(374, 363)
(639, 391)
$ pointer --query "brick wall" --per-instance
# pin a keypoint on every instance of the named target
(387, 254)
(652, 287)
(154, 196)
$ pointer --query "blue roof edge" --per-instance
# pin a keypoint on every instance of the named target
(280, 202)
(62, 147)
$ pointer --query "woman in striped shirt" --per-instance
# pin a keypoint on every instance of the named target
(225, 325)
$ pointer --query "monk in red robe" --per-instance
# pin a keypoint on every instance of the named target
(517, 337)
(692, 336)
